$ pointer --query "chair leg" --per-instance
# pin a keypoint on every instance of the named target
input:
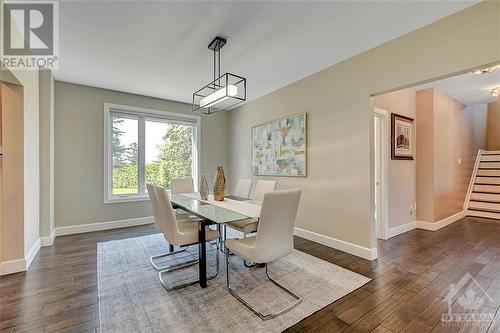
(247, 265)
(183, 265)
(251, 308)
(158, 268)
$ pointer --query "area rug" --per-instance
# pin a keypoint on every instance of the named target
(131, 298)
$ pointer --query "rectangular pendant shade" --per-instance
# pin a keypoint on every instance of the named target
(219, 96)
(223, 93)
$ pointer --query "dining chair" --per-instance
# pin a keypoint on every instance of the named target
(180, 234)
(249, 226)
(243, 188)
(273, 241)
(182, 185)
(159, 225)
(263, 187)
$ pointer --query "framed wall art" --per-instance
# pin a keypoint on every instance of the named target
(279, 147)
(401, 137)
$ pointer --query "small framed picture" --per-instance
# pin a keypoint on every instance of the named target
(401, 137)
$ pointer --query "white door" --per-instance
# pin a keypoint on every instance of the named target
(380, 149)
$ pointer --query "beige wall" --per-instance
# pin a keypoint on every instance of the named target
(337, 198)
(448, 158)
(13, 212)
(494, 126)
(29, 80)
(79, 144)
(425, 153)
(402, 173)
(46, 86)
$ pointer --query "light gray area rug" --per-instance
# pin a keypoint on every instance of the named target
(131, 298)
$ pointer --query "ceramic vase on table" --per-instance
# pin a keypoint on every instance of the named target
(204, 188)
(219, 184)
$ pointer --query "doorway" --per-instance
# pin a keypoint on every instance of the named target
(381, 142)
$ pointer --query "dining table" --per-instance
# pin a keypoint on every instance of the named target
(213, 212)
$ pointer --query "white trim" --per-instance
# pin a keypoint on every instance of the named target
(32, 253)
(193, 120)
(433, 226)
(12, 266)
(400, 229)
(49, 240)
(384, 165)
(78, 229)
(472, 179)
(360, 251)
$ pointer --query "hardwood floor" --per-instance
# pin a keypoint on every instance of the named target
(408, 291)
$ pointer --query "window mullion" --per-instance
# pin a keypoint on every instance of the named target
(142, 156)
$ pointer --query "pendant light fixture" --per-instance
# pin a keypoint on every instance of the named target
(225, 91)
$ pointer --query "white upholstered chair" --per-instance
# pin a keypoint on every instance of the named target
(249, 226)
(182, 185)
(273, 241)
(160, 225)
(263, 187)
(243, 188)
(180, 234)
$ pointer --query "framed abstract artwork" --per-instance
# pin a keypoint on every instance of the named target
(401, 137)
(279, 147)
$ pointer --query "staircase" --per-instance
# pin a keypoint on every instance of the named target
(483, 197)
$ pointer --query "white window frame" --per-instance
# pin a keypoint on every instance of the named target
(143, 114)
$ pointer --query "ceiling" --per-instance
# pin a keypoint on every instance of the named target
(160, 49)
(468, 88)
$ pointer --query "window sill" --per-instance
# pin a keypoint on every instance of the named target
(125, 199)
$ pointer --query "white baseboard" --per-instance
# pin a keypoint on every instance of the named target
(360, 251)
(397, 230)
(48, 240)
(12, 266)
(433, 226)
(78, 229)
(21, 265)
(32, 253)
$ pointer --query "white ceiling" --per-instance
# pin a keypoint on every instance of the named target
(468, 88)
(160, 48)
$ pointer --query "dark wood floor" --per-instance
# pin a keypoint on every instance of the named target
(410, 282)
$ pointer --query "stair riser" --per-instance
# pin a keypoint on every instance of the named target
(485, 197)
(486, 188)
(487, 215)
(489, 165)
(492, 207)
(490, 158)
(488, 180)
(490, 173)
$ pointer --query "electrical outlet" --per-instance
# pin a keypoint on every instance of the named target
(413, 209)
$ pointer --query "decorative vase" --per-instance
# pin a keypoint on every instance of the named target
(204, 188)
(219, 184)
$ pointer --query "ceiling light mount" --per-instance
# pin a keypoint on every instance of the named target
(495, 92)
(217, 44)
(225, 91)
(486, 70)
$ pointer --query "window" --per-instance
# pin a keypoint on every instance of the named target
(147, 146)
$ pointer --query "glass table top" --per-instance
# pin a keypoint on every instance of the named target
(205, 210)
